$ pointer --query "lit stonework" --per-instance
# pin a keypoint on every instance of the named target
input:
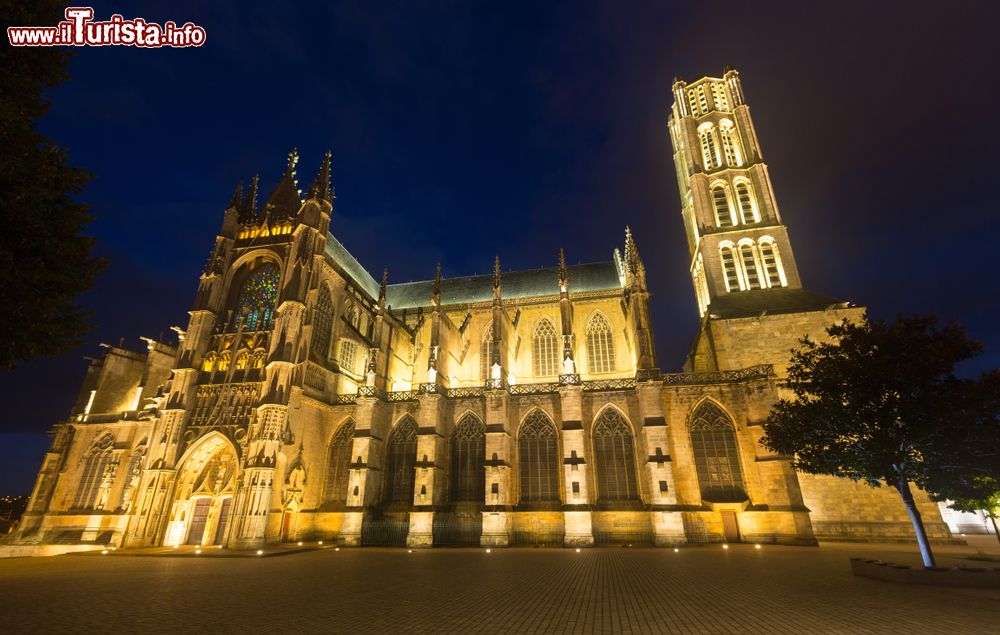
(306, 400)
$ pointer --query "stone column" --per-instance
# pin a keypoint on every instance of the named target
(668, 524)
(496, 515)
(429, 485)
(364, 487)
(578, 521)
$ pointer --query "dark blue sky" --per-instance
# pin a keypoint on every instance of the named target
(462, 130)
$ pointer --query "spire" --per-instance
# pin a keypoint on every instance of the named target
(496, 280)
(284, 202)
(382, 286)
(563, 273)
(632, 259)
(437, 284)
(237, 200)
(248, 203)
(293, 160)
(321, 186)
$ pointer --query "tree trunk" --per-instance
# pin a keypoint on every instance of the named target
(993, 519)
(918, 525)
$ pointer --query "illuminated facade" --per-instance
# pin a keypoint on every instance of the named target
(306, 401)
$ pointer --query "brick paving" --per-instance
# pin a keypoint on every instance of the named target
(695, 590)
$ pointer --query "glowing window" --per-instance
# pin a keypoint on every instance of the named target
(719, 97)
(243, 360)
(748, 206)
(720, 202)
(731, 145)
(772, 264)
(257, 298)
(600, 345)
(709, 151)
(348, 355)
(750, 266)
(728, 256)
(544, 349)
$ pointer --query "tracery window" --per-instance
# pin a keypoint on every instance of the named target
(600, 345)
(748, 204)
(224, 359)
(731, 145)
(468, 456)
(545, 349)
(614, 458)
(709, 151)
(401, 462)
(702, 99)
(719, 96)
(716, 455)
(750, 266)
(538, 459)
(98, 463)
(771, 262)
(208, 363)
(720, 202)
(727, 254)
(322, 323)
(133, 472)
(486, 353)
(338, 470)
(348, 356)
(258, 296)
(243, 359)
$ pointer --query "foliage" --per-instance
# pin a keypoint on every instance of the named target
(45, 260)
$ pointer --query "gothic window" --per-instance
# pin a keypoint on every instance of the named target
(720, 202)
(538, 459)
(351, 315)
(96, 466)
(709, 150)
(693, 101)
(257, 359)
(486, 353)
(348, 355)
(224, 359)
(322, 324)
(401, 462)
(727, 254)
(614, 458)
(719, 97)
(132, 473)
(257, 297)
(600, 345)
(243, 359)
(716, 455)
(338, 470)
(544, 349)
(468, 455)
(773, 272)
(748, 204)
(702, 99)
(208, 363)
(749, 261)
(731, 145)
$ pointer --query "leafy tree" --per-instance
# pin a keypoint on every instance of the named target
(45, 260)
(984, 495)
(880, 403)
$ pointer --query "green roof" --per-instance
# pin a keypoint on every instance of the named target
(595, 276)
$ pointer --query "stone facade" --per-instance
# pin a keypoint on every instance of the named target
(305, 400)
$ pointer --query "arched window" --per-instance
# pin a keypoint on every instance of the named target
(727, 254)
(208, 363)
(693, 101)
(243, 359)
(716, 455)
(133, 471)
(614, 458)
(719, 97)
(720, 202)
(702, 99)
(749, 261)
(257, 297)
(322, 324)
(348, 356)
(486, 353)
(224, 359)
(600, 345)
(95, 471)
(731, 144)
(468, 456)
(545, 349)
(402, 457)
(773, 271)
(538, 459)
(257, 360)
(709, 151)
(748, 204)
(338, 470)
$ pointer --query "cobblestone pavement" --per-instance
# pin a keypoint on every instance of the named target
(695, 590)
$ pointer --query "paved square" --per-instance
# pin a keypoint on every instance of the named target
(698, 589)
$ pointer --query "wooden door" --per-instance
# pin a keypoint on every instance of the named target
(220, 531)
(730, 527)
(198, 518)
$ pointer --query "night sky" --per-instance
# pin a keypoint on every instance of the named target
(463, 130)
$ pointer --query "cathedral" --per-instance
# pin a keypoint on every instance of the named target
(307, 400)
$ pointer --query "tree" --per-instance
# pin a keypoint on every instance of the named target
(880, 403)
(45, 260)
(984, 495)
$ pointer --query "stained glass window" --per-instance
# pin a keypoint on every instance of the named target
(257, 297)
(716, 456)
(468, 454)
(538, 459)
(614, 458)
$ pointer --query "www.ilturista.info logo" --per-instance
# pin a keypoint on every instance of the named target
(79, 29)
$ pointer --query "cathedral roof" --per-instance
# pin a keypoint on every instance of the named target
(778, 300)
(595, 276)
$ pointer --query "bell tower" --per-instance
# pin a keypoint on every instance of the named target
(736, 237)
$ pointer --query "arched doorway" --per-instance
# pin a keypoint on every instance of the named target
(206, 483)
